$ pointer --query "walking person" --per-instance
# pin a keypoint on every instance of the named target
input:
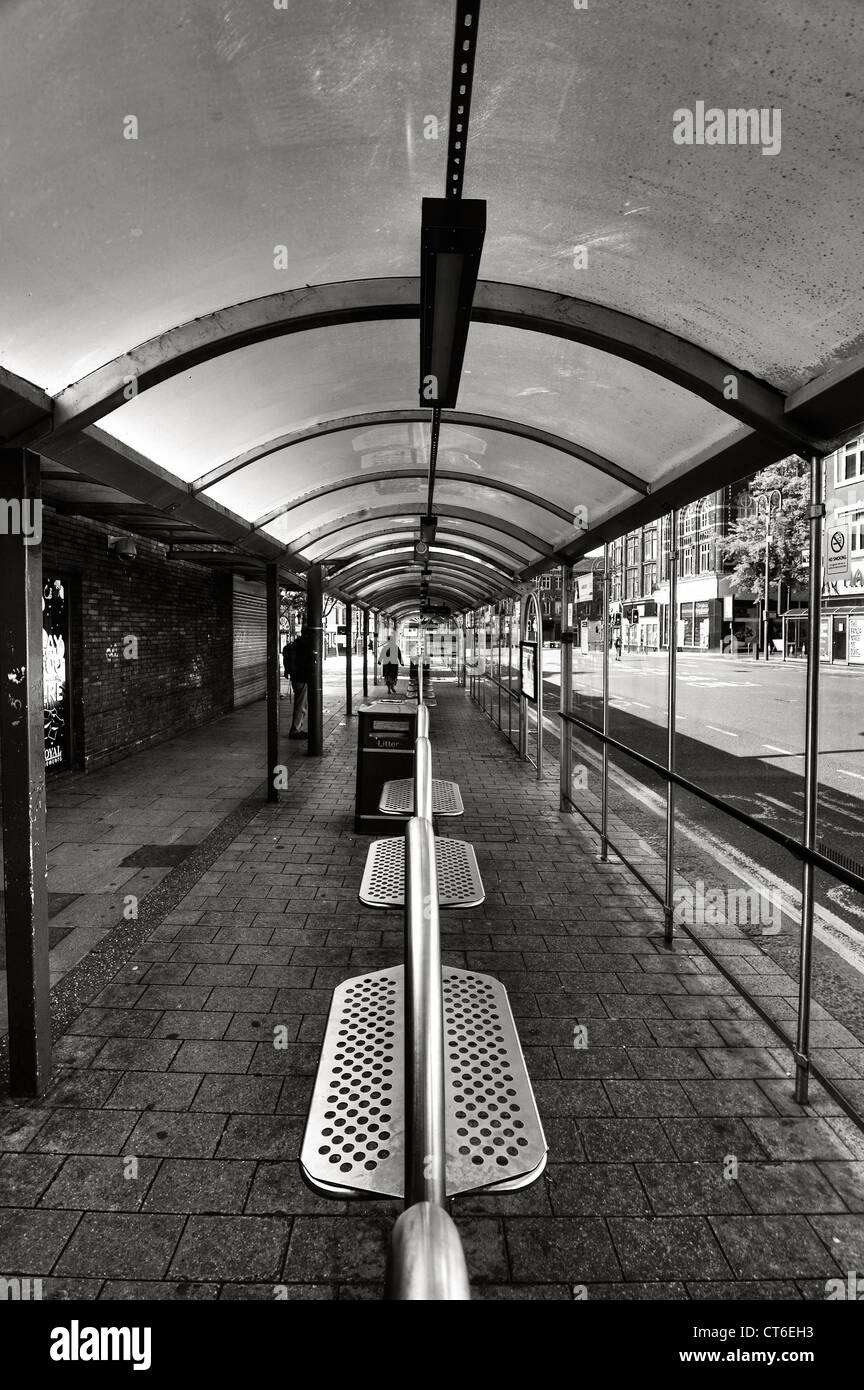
(297, 659)
(391, 659)
(618, 645)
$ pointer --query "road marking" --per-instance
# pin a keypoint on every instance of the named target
(828, 928)
(727, 732)
(775, 802)
(787, 752)
(843, 773)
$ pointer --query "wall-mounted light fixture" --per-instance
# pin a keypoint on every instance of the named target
(451, 241)
(124, 546)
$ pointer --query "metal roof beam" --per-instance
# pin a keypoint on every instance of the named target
(755, 403)
(495, 423)
(494, 552)
(388, 558)
(390, 475)
(97, 456)
(832, 404)
(403, 509)
(465, 581)
(713, 468)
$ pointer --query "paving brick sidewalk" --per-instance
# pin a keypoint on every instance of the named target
(163, 1162)
(118, 831)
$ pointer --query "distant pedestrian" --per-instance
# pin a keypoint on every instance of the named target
(391, 659)
(618, 646)
(297, 659)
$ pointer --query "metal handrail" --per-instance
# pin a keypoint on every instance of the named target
(425, 1143)
(423, 779)
(426, 1260)
(778, 837)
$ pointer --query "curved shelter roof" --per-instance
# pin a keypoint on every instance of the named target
(209, 293)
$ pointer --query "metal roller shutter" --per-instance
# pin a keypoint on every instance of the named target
(250, 641)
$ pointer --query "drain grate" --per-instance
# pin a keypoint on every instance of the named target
(397, 798)
(459, 881)
(354, 1141)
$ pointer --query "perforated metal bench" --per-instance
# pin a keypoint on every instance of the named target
(397, 798)
(459, 881)
(354, 1143)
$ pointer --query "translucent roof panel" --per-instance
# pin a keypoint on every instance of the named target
(490, 501)
(163, 162)
(619, 410)
(283, 477)
(441, 559)
(346, 505)
(257, 128)
(205, 417)
(372, 546)
(193, 422)
(451, 586)
(288, 474)
(754, 256)
(357, 533)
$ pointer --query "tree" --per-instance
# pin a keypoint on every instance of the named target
(292, 611)
(790, 531)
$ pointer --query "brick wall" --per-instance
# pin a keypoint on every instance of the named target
(180, 616)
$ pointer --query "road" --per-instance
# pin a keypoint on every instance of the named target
(740, 735)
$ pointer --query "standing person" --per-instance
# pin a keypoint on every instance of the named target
(391, 659)
(618, 645)
(297, 657)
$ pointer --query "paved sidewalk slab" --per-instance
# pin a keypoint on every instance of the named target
(163, 1161)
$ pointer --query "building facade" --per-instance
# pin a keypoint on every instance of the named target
(709, 616)
(842, 619)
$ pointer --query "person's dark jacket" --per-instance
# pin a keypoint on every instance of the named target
(298, 660)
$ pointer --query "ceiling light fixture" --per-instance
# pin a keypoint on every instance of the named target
(451, 241)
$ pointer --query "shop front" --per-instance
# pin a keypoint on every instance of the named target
(741, 620)
(841, 636)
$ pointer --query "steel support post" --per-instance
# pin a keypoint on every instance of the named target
(523, 703)
(767, 622)
(377, 646)
(671, 694)
(365, 653)
(22, 775)
(604, 770)
(273, 679)
(538, 676)
(565, 745)
(811, 781)
(315, 624)
(349, 641)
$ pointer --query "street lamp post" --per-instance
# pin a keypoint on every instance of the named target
(773, 502)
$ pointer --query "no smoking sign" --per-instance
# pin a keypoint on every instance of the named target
(837, 551)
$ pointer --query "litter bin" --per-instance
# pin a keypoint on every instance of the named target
(386, 731)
